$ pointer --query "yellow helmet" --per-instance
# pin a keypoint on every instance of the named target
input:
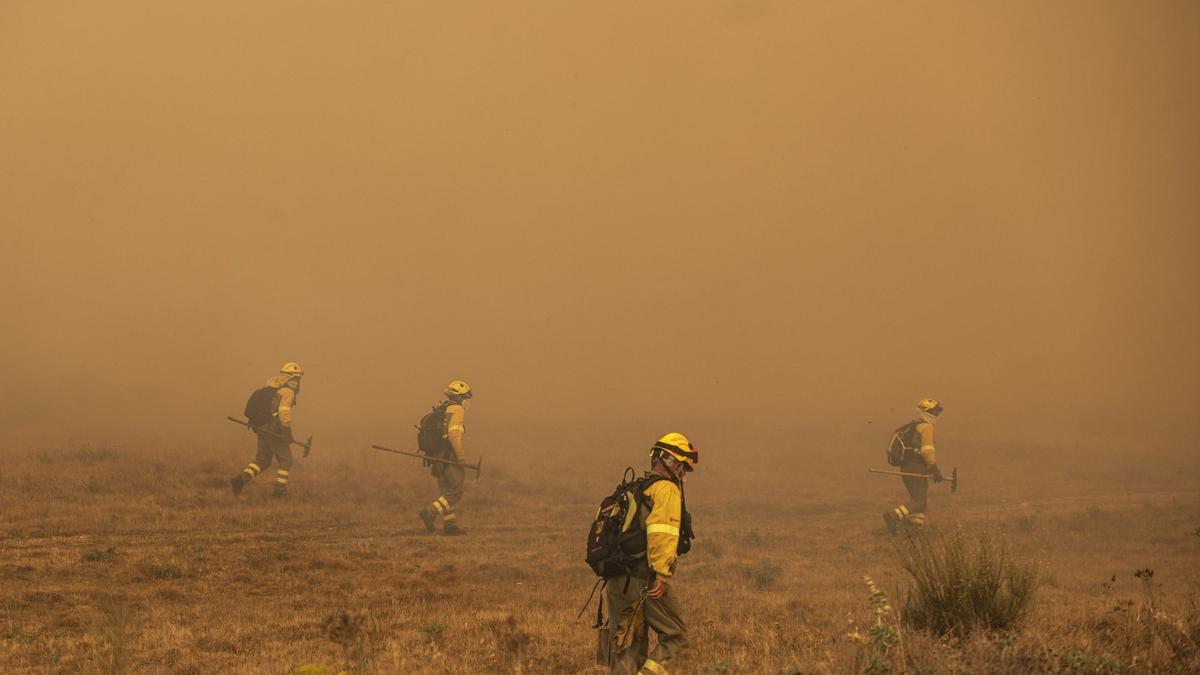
(459, 389)
(291, 369)
(930, 406)
(679, 447)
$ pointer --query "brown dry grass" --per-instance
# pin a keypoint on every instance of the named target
(115, 560)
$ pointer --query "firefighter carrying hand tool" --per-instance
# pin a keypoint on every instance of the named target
(270, 407)
(668, 535)
(913, 451)
(440, 434)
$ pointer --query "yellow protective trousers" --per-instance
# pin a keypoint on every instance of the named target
(918, 492)
(451, 478)
(270, 447)
(661, 615)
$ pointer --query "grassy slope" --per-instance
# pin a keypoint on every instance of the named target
(143, 560)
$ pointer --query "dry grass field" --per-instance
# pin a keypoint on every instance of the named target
(115, 560)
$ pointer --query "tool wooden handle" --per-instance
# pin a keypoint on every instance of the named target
(474, 467)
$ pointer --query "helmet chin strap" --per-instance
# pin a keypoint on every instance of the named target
(666, 461)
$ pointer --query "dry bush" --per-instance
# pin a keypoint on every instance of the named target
(762, 575)
(961, 583)
(358, 634)
(1142, 629)
(1181, 632)
(101, 555)
(511, 641)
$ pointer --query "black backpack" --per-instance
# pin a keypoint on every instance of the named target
(260, 406)
(431, 433)
(616, 542)
(905, 440)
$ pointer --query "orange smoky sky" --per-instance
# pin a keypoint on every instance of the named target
(757, 221)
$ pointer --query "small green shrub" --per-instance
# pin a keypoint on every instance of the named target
(162, 571)
(754, 538)
(435, 633)
(885, 631)
(762, 575)
(961, 583)
(101, 555)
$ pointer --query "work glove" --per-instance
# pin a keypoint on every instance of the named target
(937, 474)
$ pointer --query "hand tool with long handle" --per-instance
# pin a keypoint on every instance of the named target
(307, 445)
(953, 479)
(474, 467)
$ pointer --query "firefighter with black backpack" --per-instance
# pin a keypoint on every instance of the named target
(637, 536)
(270, 408)
(440, 435)
(912, 449)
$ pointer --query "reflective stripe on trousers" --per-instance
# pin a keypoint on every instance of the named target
(652, 667)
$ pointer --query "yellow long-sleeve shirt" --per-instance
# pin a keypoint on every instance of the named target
(455, 429)
(928, 452)
(285, 396)
(662, 527)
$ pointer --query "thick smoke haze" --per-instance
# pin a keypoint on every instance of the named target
(766, 223)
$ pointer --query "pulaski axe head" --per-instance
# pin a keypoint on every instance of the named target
(308, 447)
(954, 480)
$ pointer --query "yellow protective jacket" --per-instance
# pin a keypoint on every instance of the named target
(928, 452)
(662, 526)
(455, 429)
(285, 396)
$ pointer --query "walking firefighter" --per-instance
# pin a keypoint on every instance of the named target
(440, 436)
(269, 414)
(912, 449)
(636, 538)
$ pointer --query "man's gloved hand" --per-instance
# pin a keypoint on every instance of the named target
(937, 474)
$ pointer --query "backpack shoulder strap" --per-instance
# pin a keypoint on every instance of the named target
(902, 432)
(441, 408)
(645, 482)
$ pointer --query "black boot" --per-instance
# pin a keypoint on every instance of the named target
(892, 521)
(427, 518)
(280, 491)
(237, 483)
(452, 529)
